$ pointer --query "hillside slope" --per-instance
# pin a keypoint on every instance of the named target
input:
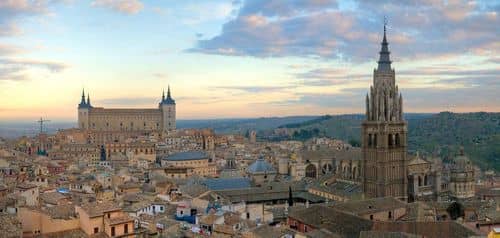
(442, 133)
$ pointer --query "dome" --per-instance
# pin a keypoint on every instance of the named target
(260, 166)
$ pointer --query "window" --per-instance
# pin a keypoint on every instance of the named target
(112, 231)
(125, 228)
(390, 215)
(371, 217)
(96, 230)
(109, 215)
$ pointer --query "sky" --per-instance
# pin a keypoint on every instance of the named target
(247, 58)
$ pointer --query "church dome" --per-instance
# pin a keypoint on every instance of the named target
(260, 166)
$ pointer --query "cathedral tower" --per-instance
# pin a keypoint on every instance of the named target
(384, 134)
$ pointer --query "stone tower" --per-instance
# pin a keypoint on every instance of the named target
(384, 134)
(167, 107)
(83, 112)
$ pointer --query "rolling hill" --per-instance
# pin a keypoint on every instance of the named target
(441, 134)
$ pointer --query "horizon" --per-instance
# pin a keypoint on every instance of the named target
(243, 59)
(34, 120)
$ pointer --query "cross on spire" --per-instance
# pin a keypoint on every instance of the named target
(384, 62)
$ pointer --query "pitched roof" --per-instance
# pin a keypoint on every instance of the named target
(98, 209)
(431, 229)
(227, 183)
(331, 219)
(370, 205)
(188, 155)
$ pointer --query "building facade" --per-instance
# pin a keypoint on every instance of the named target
(384, 133)
(98, 119)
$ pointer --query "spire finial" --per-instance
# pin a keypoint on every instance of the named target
(168, 92)
(385, 23)
(384, 62)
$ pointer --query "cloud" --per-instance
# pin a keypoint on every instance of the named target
(12, 10)
(254, 89)
(123, 6)
(160, 75)
(330, 76)
(152, 101)
(323, 29)
(16, 69)
(7, 50)
(201, 12)
(129, 101)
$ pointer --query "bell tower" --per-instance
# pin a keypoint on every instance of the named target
(384, 133)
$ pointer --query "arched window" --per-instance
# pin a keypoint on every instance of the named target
(311, 171)
(425, 180)
(370, 140)
(419, 181)
(398, 140)
(375, 140)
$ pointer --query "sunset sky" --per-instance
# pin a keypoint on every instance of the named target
(255, 58)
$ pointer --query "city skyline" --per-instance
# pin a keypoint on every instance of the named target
(232, 59)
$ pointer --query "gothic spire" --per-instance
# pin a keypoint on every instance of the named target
(168, 92)
(168, 99)
(384, 62)
(163, 95)
(88, 99)
(83, 96)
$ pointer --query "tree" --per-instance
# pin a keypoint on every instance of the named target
(456, 210)
(290, 197)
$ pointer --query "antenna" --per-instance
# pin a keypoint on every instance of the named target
(41, 122)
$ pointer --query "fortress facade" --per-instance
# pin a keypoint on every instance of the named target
(114, 121)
